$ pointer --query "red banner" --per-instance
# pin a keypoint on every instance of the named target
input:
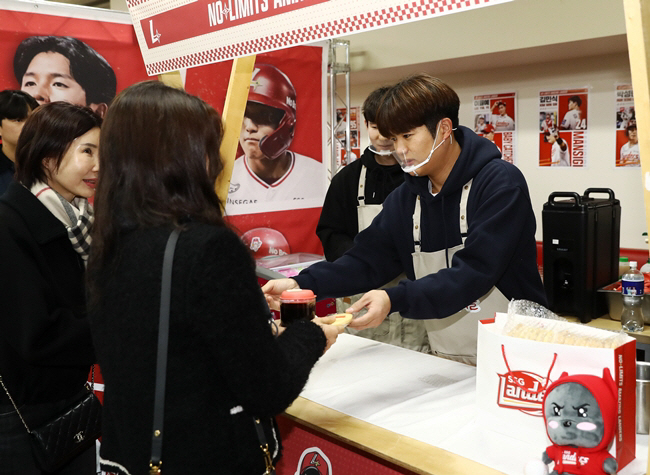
(213, 31)
(207, 16)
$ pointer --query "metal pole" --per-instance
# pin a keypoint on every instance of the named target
(332, 112)
(348, 135)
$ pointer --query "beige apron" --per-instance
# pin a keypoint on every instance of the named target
(454, 337)
(395, 330)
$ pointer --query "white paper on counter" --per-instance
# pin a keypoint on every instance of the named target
(424, 397)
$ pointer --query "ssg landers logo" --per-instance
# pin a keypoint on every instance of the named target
(569, 457)
(522, 390)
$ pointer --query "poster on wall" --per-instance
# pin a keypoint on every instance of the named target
(79, 55)
(495, 118)
(563, 127)
(279, 177)
(341, 122)
(627, 141)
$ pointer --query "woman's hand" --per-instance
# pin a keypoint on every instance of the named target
(274, 288)
(331, 331)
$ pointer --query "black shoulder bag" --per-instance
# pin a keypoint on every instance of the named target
(60, 440)
(155, 464)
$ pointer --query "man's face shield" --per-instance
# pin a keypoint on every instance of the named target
(412, 164)
(385, 153)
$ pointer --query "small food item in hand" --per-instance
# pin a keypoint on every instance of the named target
(342, 319)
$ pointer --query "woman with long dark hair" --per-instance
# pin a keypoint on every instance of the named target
(160, 150)
(45, 343)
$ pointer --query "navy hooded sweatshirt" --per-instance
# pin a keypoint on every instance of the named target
(500, 248)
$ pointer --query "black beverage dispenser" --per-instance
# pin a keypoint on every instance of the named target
(581, 249)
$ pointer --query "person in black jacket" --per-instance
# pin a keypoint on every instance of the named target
(45, 343)
(354, 198)
(15, 107)
(225, 366)
(351, 204)
(461, 228)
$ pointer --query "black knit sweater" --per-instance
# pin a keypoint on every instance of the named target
(222, 355)
(338, 224)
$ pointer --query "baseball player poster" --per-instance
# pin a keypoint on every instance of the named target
(563, 127)
(65, 53)
(495, 118)
(341, 123)
(279, 177)
(627, 141)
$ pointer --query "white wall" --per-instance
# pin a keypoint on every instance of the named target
(484, 32)
(600, 73)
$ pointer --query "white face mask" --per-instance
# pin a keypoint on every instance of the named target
(401, 159)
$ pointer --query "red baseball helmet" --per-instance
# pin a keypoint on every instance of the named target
(271, 87)
(265, 242)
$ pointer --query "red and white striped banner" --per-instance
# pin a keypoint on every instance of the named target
(176, 34)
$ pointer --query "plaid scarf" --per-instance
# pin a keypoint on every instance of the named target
(77, 217)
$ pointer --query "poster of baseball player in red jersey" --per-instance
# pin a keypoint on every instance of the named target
(279, 176)
(563, 128)
(341, 124)
(627, 141)
(494, 119)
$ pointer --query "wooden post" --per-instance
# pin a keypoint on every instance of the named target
(233, 116)
(172, 78)
(637, 22)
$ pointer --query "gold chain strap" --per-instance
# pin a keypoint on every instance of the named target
(268, 460)
(14, 404)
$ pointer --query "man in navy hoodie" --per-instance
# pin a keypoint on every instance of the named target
(461, 228)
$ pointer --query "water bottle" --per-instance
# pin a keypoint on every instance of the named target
(632, 290)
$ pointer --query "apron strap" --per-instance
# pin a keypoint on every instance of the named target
(417, 232)
(417, 214)
(464, 196)
(361, 196)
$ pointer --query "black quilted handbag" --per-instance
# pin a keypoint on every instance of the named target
(60, 440)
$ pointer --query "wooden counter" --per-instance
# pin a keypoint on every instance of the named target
(347, 410)
(405, 452)
(313, 431)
